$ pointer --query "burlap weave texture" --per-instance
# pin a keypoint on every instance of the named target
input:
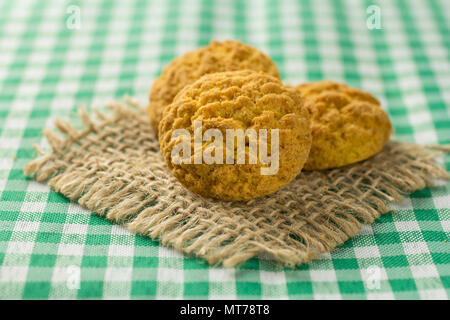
(114, 168)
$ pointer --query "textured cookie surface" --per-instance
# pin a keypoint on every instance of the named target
(217, 57)
(348, 124)
(238, 100)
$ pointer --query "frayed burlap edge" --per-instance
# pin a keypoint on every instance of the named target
(113, 167)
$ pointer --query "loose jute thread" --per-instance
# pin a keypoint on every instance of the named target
(114, 168)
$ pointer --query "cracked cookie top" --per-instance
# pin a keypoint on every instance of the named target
(238, 100)
(348, 124)
(229, 55)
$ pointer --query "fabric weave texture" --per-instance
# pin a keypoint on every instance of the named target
(114, 167)
(48, 68)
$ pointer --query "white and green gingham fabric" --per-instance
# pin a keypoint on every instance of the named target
(51, 62)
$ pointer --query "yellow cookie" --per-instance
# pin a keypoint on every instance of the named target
(348, 125)
(217, 57)
(251, 105)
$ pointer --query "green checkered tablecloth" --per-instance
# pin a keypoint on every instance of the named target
(50, 64)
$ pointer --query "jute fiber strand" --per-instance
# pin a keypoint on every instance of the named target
(114, 168)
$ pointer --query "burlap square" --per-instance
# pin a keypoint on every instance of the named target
(114, 168)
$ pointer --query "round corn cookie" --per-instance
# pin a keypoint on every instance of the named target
(229, 55)
(240, 101)
(348, 124)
